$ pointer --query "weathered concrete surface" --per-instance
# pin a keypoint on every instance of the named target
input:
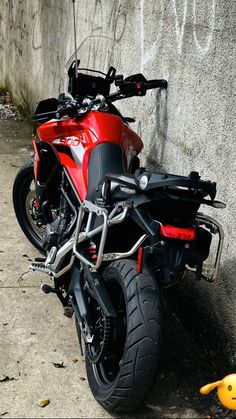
(190, 43)
(34, 333)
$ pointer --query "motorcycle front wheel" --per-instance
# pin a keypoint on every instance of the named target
(24, 196)
(123, 376)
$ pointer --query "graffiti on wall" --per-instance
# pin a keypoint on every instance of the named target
(204, 48)
(109, 22)
(187, 14)
(108, 28)
(102, 47)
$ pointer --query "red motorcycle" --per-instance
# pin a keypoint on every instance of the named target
(112, 233)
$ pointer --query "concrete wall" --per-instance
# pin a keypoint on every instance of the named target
(191, 43)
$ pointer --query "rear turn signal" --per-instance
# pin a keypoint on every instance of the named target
(139, 265)
(178, 233)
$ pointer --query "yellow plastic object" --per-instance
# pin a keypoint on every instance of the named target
(226, 390)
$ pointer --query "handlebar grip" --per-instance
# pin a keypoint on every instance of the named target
(69, 110)
(154, 84)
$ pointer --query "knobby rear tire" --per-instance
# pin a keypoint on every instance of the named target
(21, 189)
(144, 320)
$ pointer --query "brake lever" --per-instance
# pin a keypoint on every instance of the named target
(128, 119)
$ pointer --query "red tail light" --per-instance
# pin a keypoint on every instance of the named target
(178, 233)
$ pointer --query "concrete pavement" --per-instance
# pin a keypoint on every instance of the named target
(34, 332)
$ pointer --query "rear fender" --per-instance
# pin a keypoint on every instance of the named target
(167, 258)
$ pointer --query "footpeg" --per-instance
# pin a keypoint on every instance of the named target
(47, 289)
(40, 266)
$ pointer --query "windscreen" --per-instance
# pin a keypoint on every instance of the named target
(94, 58)
(95, 53)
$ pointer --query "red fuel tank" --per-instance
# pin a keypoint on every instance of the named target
(81, 135)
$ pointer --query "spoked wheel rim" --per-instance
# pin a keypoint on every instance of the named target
(107, 368)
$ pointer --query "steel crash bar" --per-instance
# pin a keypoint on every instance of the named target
(80, 237)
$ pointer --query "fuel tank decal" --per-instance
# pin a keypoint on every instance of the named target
(75, 145)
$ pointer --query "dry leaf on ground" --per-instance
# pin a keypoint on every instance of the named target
(59, 364)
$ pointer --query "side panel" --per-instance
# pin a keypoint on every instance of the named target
(76, 174)
(104, 158)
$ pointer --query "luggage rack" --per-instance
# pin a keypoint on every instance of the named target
(210, 272)
(143, 181)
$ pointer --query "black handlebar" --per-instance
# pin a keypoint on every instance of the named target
(127, 88)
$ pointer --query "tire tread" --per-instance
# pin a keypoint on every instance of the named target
(143, 340)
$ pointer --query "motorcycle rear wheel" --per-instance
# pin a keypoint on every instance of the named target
(122, 379)
(24, 195)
